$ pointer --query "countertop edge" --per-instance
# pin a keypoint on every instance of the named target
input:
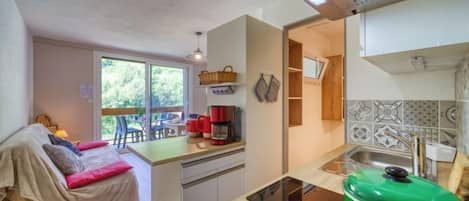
(187, 155)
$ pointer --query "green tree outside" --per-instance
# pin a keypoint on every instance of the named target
(123, 86)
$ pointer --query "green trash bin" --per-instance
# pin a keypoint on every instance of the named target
(392, 184)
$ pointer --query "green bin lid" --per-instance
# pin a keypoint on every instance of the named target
(393, 184)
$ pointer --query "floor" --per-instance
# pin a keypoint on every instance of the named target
(143, 172)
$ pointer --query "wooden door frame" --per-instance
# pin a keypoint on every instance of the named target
(286, 28)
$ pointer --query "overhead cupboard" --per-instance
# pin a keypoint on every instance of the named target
(417, 35)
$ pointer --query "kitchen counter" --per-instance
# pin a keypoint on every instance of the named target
(177, 148)
(311, 173)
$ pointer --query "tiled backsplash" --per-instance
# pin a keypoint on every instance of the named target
(376, 122)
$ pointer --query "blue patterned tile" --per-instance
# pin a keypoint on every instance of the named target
(359, 110)
(421, 113)
(388, 112)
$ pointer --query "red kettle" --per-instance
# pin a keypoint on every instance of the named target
(204, 126)
(192, 128)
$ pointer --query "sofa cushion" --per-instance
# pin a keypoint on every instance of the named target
(92, 145)
(95, 175)
(59, 141)
(67, 162)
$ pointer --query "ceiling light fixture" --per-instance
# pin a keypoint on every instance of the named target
(197, 54)
(316, 2)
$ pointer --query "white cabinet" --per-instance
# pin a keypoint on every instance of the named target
(231, 185)
(219, 176)
(391, 35)
(203, 191)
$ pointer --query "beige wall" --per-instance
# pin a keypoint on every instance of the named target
(252, 47)
(365, 81)
(197, 94)
(58, 72)
(60, 68)
(264, 120)
(314, 137)
(15, 70)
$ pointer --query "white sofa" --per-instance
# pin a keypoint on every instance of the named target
(27, 172)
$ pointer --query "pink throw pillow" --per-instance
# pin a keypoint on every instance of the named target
(92, 145)
(91, 176)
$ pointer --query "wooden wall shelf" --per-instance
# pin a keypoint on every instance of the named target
(295, 83)
(293, 69)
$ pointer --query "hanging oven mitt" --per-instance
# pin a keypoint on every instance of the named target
(272, 92)
(261, 88)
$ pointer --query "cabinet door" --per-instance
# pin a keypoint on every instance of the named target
(332, 89)
(204, 189)
(231, 184)
(412, 25)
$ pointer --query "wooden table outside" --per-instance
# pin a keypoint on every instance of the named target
(178, 127)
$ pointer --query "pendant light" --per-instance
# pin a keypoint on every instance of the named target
(198, 54)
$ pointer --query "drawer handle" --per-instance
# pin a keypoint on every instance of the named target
(211, 158)
(204, 179)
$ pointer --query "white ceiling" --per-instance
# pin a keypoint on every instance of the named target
(325, 27)
(164, 27)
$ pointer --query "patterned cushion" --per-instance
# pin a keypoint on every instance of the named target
(67, 162)
(59, 141)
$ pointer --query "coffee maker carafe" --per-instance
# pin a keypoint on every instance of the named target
(225, 121)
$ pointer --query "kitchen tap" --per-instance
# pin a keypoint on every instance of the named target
(419, 156)
(417, 148)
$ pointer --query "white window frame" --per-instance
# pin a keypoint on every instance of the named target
(148, 62)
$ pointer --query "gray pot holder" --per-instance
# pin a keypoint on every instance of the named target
(261, 89)
(272, 91)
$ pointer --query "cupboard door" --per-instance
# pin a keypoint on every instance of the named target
(231, 184)
(332, 89)
(204, 189)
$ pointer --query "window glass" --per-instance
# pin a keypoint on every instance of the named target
(312, 68)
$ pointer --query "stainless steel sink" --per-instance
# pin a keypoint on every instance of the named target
(381, 159)
(366, 157)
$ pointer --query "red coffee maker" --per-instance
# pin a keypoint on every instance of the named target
(224, 123)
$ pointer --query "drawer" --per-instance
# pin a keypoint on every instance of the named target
(202, 167)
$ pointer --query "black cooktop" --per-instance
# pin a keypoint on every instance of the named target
(291, 189)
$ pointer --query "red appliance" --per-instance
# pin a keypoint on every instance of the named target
(205, 126)
(225, 123)
(221, 133)
(218, 113)
(192, 128)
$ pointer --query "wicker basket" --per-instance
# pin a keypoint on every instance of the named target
(227, 75)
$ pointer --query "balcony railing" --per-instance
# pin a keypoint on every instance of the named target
(135, 110)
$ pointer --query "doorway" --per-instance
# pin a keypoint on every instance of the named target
(314, 89)
(136, 96)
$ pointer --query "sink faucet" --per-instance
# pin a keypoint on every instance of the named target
(417, 148)
(419, 156)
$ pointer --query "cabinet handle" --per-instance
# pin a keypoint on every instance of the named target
(211, 158)
(204, 179)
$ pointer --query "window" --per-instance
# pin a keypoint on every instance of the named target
(312, 68)
(135, 89)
